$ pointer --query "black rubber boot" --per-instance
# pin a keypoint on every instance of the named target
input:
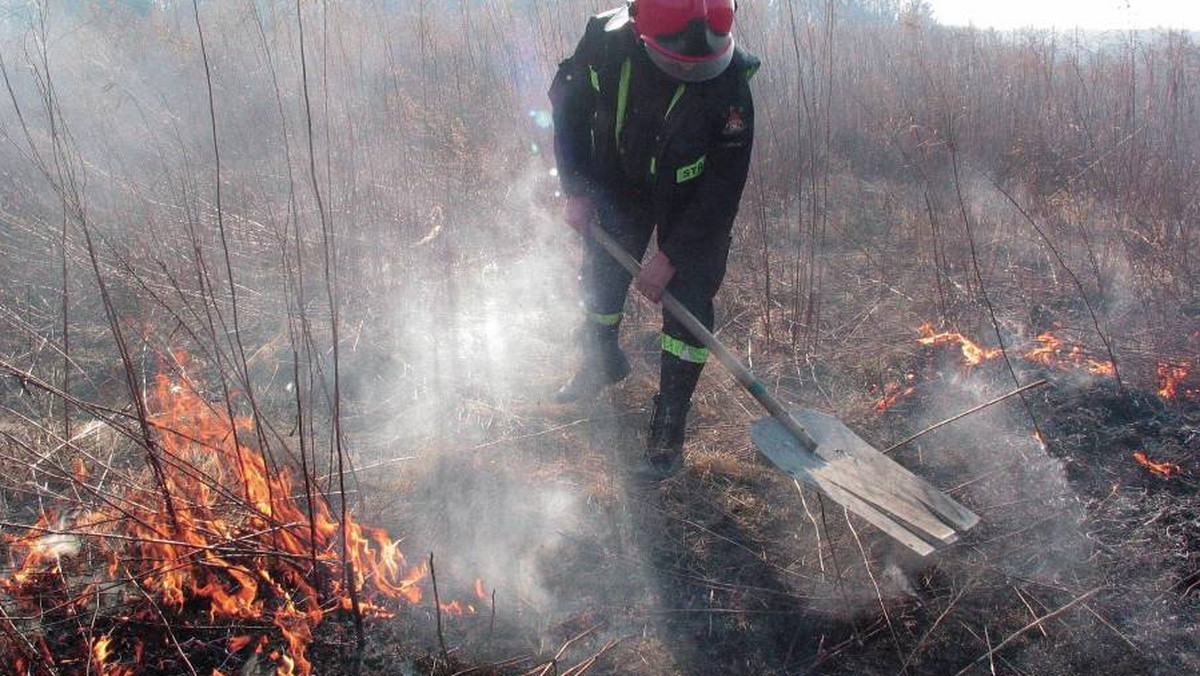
(668, 422)
(603, 364)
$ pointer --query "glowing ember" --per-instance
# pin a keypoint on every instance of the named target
(479, 590)
(238, 543)
(892, 392)
(458, 608)
(973, 354)
(1051, 352)
(1165, 470)
(1169, 378)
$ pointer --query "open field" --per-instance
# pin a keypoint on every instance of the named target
(284, 293)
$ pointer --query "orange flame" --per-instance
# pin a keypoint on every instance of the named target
(100, 651)
(1169, 378)
(480, 593)
(1051, 353)
(458, 608)
(973, 354)
(892, 393)
(1165, 470)
(240, 545)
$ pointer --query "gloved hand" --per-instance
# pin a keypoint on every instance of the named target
(580, 213)
(654, 277)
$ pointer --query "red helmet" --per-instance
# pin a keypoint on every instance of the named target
(690, 40)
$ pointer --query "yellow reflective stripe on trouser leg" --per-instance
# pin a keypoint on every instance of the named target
(688, 353)
(605, 320)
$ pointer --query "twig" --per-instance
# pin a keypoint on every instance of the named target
(1031, 625)
(223, 547)
(437, 608)
(964, 414)
(492, 621)
(1106, 623)
(987, 638)
(1032, 612)
(811, 518)
(24, 645)
(166, 625)
(584, 666)
(874, 583)
(330, 270)
(983, 291)
(837, 567)
(929, 632)
(510, 662)
(1112, 357)
(563, 649)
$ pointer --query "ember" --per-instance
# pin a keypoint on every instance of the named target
(893, 392)
(973, 354)
(458, 608)
(1169, 377)
(1165, 470)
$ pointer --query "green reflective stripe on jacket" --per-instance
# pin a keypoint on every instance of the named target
(605, 320)
(688, 353)
(595, 78)
(623, 97)
(691, 171)
(675, 99)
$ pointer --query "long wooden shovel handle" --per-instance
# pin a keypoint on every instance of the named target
(730, 361)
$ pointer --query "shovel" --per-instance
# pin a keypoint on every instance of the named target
(819, 450)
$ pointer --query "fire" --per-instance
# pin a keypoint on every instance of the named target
(224, 532)
(479, 590)
(1051, 352)
(973, 354)
(100, 651)
(1169, 377)
(458, 608)
(1165, 470)
(892, 392)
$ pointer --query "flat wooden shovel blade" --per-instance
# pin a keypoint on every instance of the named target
(856, 475)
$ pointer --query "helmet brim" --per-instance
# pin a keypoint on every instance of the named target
(689, 69)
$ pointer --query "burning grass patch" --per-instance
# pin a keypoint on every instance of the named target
(210, 558)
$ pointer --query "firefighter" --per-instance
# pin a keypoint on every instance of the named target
(653, 126)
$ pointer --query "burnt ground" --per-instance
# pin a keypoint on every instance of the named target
(730, 569)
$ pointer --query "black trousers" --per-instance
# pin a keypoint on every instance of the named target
(697, 278)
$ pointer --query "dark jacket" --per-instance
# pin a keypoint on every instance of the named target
(681, 149)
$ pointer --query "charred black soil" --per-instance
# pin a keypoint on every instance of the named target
(729, 568)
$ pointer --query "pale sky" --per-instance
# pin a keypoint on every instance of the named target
(1067, 14)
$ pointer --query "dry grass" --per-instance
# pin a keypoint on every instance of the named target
(453, 283)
